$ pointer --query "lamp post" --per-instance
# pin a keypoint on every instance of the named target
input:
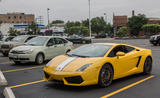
(48, 17)
(90, 30)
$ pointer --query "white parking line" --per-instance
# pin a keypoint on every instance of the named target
(8, 93)
(3, 80)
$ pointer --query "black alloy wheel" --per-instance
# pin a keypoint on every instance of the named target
(147, 66)
(106, 76)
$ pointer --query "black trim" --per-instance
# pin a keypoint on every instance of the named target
(138, 61)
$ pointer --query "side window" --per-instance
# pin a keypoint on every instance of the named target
(64, 41)
(128, 49)
(51, 42)
(115, 50)
(59, 41)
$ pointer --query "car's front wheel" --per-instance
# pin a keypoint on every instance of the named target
(106, 75)
(147, 66)
(40, 58)
(17, 62)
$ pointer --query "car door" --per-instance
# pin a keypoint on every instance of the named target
(123, 63)
(51, 49)
(60, 45)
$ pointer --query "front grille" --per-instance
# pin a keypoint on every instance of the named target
(5, 46)
(74, 80)
(17, 52)
(46, 75)
(58, 81)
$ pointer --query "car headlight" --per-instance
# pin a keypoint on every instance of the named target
(84, 67)
(49, 63)
(28, 51)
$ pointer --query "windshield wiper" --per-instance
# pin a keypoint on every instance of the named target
(79, 55)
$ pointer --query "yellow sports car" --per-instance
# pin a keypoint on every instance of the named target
(98, 64)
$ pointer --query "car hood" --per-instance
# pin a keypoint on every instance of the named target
(13, 43)
(20, 48)
(74, 63)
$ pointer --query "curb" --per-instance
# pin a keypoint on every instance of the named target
(3, 80)
(8, 93)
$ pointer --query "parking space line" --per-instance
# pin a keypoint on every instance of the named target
(7, 71)
(127, 87)
(35, 82)
(6, 63)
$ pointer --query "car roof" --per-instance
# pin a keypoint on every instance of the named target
(51, 36)
(114, 44)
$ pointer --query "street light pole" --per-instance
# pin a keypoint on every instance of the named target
(48, 17)
(90, 30)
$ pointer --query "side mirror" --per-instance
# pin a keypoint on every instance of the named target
(68, 51)
(120, 54)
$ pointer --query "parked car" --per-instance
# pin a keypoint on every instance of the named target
(101, 36)
(85, 66)
(155, 40)
(78, 39)
(17, 41)
(40, 49)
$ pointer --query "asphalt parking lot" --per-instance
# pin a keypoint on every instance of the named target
(26, 80)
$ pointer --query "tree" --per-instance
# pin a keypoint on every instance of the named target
(33, 28)
(135, 24)
(13, 32)
(79, 30)
(151, 29)
(98, 25)
(122, 32)
(85, 23)
(57, 21)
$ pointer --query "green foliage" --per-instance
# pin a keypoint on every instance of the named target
(151, 29)
(135, 24)
(57, 21)
(33, 28)
(13, 32)
(122, 32)
(79, 30)
(98, 25)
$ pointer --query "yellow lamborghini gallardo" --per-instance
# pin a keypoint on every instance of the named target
(98, 64)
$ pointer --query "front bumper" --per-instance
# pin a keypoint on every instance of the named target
(5, 50)
(72, 78)
(22, 57)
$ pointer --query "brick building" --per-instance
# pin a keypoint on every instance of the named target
(17, 18)
(120, 21)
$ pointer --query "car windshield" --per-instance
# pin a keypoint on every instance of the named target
(19, 38)
(37, 41)
(93, 50)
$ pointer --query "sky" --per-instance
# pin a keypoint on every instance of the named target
(76, 10)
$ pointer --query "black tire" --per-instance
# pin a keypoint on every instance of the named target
(5, 54)
(17, 62)
(155, 44)
(105, 76)
(147, 66)
(159, 42)
(39, 59)
(83, 42)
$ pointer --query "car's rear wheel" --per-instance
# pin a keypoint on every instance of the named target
(5, 54)
(105, 76)
(155, 44)
(40, 58)
(147, 66)
(83, 42)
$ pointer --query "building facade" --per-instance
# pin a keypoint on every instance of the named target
(120, 21)
(17, 18)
